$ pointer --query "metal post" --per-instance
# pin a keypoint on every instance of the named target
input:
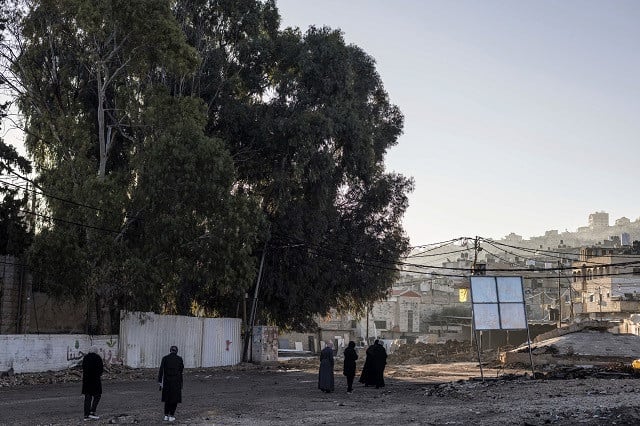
(367, 338)
(478, 343)
(559, 297)
(249, 330)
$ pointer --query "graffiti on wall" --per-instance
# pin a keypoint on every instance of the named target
(265, 343)
(109, 353)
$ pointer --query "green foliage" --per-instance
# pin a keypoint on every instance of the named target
(142, 204)
(187, 134)
(195, 228)
(15, 232)
(308, 123)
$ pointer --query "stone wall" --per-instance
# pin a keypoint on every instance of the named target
(15, 292)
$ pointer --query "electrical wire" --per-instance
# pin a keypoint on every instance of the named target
(55, 219)
(550, 253)
(64, 200)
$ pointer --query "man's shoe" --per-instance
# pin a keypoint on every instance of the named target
(172, 419)
(86, 419)
(93, 417)
(166, 418)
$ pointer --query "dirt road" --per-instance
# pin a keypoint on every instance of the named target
(435, 394)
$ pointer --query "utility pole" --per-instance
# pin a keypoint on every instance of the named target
(252, 314)
(559, 296)
(475, 256)
(477, 269)
(367, 339)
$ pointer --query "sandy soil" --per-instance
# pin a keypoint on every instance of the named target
(287, 394)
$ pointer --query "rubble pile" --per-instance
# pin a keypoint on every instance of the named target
(111, 372)
(461, 389)
(610, 371)
(74, 374)
(438, 353)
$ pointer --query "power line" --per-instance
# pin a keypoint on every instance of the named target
(449, 268)
(55, 219)
(64, 200)
(441, 244)
(421, 255)
(549, 253)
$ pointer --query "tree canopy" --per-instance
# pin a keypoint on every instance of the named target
(177, 142)
(15, 232)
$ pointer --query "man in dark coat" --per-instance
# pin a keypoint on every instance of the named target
(92, 368)
(170, 379)
(349, 370)
(325, 375)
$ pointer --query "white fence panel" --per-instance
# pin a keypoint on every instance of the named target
(133, 328)
(202, 342)
(183, 332)
(221, 342)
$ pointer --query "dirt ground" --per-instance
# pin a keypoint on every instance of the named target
(442, 393)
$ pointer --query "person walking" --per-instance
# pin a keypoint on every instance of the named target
(349, 369)
(92, 368)
(325, 375)
(170, 379)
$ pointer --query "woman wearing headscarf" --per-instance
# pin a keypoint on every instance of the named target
(325, 376)
(349, 370)
(92, 368)
(368, 374)
(380, 361)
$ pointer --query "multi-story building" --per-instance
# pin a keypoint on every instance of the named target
(598, 220)
(606, 283)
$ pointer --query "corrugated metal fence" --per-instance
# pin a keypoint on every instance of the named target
(146, 337)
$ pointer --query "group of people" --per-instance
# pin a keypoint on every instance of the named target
(169, 379)
(172, 366)
(372, 372)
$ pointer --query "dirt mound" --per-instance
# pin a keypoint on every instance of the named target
(112, 372)
(439, 353)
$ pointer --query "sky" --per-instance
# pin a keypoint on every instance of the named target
(520, 116)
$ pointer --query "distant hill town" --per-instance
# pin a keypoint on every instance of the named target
(598, 231)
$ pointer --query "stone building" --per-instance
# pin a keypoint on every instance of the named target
(606, 284)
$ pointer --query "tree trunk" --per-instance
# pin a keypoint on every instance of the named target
(103, 318)
(102, 168)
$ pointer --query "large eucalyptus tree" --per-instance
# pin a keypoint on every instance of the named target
(308, 123)
(175, 140)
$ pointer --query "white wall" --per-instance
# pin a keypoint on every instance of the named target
(146, 337)
(32, 353)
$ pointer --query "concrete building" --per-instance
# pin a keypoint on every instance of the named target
(598, 220)
(606, 284)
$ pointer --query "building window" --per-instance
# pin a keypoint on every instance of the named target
(380, 325)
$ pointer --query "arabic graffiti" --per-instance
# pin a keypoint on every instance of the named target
(109, 356)
(73, 355)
